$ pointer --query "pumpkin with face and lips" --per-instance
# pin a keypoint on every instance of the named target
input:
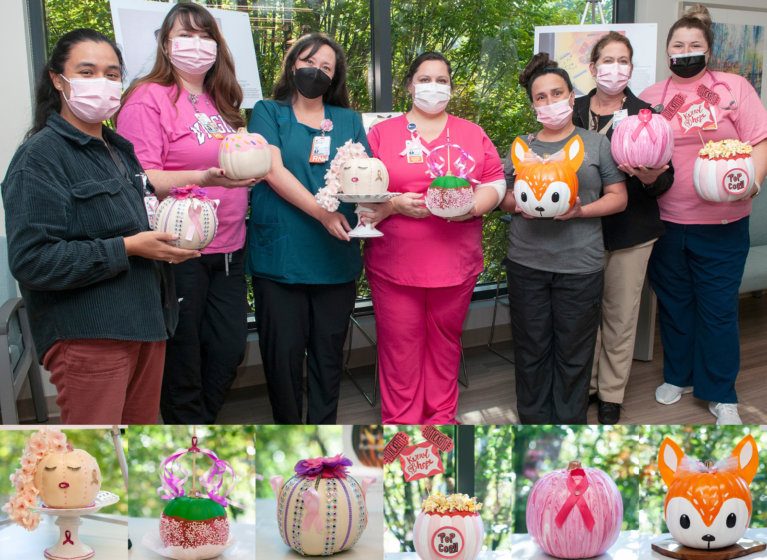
(708, 506)
(68, 480)
(364, 176)
(546, 186)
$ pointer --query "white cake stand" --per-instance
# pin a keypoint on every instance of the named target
(70, 546)
(363, 229)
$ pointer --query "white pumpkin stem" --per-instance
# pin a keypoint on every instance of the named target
(242, 130)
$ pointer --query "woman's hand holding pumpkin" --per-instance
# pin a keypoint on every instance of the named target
(411, 205)
(335, 223)
(379, 213)
(155, 245)
(575, 212)
(216, 177)
(645, 174)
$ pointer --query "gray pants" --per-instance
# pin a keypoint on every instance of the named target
(554, 321)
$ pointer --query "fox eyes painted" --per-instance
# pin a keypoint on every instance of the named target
(684, 522)
(731, 520)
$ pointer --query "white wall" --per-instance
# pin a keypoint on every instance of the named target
(665, 13)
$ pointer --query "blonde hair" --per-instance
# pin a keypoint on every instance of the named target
(696, 17)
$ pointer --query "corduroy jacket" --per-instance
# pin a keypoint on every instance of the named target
(67, 209)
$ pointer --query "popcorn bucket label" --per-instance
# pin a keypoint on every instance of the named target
(420, 461)
(448, 542)
(432, 434)
(395, 446)
(735, 181)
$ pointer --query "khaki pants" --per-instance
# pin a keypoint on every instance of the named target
(624, 277)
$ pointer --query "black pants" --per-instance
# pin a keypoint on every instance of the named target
(554, 321)
(201, 358)
(297, 321)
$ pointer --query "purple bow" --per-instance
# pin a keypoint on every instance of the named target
(189, 191)
(461, 164)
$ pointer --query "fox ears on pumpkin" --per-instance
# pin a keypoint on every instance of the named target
(670, 456)
(573, 152)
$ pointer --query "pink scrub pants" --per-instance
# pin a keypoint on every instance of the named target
(419, 349)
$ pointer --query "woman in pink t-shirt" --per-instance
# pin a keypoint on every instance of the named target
(176, 117)
(696, 269)
(422, 272)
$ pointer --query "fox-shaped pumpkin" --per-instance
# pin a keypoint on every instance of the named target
(546, 186)
(708, 506)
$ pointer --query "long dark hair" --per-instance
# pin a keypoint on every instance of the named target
(540, 65)
(220, 80)
(47, 97)
(423, 57)
(338, 95)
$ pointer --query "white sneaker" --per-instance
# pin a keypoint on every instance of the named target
(669, 394)
(726, 414)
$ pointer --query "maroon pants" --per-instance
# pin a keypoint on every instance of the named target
(106, 381)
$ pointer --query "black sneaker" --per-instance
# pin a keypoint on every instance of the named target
(609, 413)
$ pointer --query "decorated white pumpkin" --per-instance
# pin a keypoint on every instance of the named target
(68, 480)
(439, 533)
(190, 214)
(364, 176)
(321, 510)
(724, 171)
(244, 155)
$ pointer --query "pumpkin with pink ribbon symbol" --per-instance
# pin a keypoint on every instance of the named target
(321, 509)
(449, 527)
(643, 139)
(575, 512)
(190, 214)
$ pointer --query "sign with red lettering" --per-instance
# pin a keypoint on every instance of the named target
(395, 446)
(432, 434)
(420, 461)
(735, 181)
(696, 115)
(673, 106)
(448, 543)
(705, 93)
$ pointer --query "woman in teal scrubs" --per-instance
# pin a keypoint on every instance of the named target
(303, 263)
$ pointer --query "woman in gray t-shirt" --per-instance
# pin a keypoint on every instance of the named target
(555, 265)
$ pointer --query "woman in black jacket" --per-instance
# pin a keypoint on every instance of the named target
(629, 235)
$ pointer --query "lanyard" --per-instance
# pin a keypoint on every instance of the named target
(118, 161)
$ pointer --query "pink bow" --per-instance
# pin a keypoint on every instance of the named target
(577, 490)
(195, 209)
(312, 517)
(189, 191)
(645, 117)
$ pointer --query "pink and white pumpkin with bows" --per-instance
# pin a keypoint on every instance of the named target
(643, 139)
(190, 214)
(724, 171)
(321, 510)
(455, 535)
(575, 512)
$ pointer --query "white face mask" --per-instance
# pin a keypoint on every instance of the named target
(613, 78)
(431, 98)
(93, 100)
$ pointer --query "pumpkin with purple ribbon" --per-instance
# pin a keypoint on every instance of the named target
(643, 139)
(321, 510)
(190, 214)
(575, 512)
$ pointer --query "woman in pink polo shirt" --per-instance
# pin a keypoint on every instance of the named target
(422, 272)
(697, 267)
(176, 117)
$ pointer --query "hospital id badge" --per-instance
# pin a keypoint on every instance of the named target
(320, 149)
(211, 127)
(618, 116)
(414, 152)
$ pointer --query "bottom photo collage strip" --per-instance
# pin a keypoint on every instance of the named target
(490, 492)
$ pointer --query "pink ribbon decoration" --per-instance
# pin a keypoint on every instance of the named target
(276, 483)
(689, 466)
(577, 490)
(195, 209)
(68, 536)
(312, 509)
(645, 117)
(461, 164)
(367, 481)
(532, 157)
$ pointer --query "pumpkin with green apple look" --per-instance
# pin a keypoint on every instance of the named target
(193, 521)
(449, 196)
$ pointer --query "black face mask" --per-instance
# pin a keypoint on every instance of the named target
(687, 65)
(311, 82)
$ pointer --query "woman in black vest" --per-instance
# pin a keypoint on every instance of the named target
(629, 235)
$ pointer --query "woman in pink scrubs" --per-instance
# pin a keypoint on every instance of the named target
(423, 270)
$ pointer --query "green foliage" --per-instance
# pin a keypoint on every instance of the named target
(629, 455)
(279, 448)
(492, 487)
(149, 445)
(98, 443)
(63, 16)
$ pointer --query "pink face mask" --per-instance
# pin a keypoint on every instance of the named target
(556, 115)
(93, 100)
(193, 55)
(613, 78)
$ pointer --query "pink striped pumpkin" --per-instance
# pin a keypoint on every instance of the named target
(573, 539)
(644, 150)
(455, 536)
(725, 179)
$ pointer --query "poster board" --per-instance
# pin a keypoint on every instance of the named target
(137, 22)
(570, 46)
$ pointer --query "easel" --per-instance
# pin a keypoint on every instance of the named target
(595, 5)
